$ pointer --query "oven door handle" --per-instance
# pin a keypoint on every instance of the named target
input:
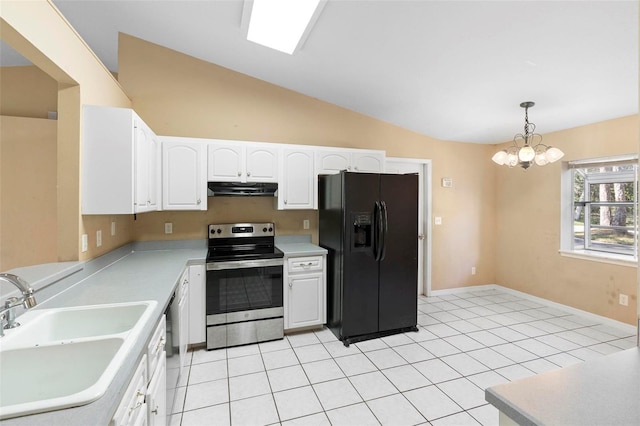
(244, 264)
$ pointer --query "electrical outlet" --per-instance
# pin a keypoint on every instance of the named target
(624, 300)
(85, 242)
(168, 228)
(305, 224)
(113, 228)
(98, 238)
(473, 270)
(437, 220)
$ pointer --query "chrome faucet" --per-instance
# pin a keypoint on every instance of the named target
(28, 300)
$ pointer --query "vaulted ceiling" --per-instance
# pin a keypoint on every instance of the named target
(453, 70)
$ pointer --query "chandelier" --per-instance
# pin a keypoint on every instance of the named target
(527, 148)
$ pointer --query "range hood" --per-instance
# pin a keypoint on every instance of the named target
(239, 189)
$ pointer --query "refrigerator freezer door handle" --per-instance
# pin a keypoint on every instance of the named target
(376, 231)
(385, 229)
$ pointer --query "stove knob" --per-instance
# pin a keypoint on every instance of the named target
(270, 229)
(264, 229)
(219, 231)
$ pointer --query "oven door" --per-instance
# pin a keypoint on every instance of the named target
(244, 302)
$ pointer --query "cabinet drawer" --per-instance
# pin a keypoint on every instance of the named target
(305, 264)
(133, 398)
(155, 349)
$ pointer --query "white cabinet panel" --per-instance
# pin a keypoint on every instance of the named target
(304, 291)
(297, 183)
(183, 179)
(120, 162)
(365, 162)
(330, 162)
(225, 162)
(156, 399)
(261, 163)
(197, 310)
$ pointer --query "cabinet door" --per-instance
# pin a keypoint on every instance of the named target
(155, 172)
(367, 162)
(296, 185)
(142, 147)
(332, 162)
(184, 184)
(225, 162)
(197, 313)
(157, 395)
(261, 164)
(305, 300)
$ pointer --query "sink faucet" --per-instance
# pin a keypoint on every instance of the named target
(28, 300)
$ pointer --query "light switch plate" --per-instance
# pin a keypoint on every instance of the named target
(437, 220)
(85, 242)
(113, 228)
(98, 238)
(168, 228)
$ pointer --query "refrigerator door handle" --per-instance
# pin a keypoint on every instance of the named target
(376, 231)
(385, 229)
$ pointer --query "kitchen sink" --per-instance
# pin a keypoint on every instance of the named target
(62, 358)
(50, 325)
(36, 379)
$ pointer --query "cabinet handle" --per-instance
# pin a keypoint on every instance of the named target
(290, 283)
(159, 345)
(285, 201)
(348, 167)
(248, 173)
(138, 405)
(155, 410)
(239, 173)
(199, 201)
(356, 168)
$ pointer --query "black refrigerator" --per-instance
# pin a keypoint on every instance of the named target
(369, 225)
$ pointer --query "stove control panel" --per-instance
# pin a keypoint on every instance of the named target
(242, 230)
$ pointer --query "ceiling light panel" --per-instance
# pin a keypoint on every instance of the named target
(280, 24)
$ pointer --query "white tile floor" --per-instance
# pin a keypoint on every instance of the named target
(466, 343)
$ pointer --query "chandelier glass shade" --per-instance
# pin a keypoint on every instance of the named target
(527, 148)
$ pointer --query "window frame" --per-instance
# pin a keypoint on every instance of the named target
(568, 245)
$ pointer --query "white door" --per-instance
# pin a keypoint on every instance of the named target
(296, 186)
(225, 163)
(423, 169)
(367, 163)
(183, 183)
(262, 164)
(305, 300)
(142, 144)
(157, 394)
(331, 162)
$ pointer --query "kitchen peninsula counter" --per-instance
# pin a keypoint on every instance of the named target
(137, 272)
(603, 391)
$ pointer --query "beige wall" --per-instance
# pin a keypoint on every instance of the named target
(27, 92)
(28, 216)
(178, 95)
(528, 228)
(40, 33)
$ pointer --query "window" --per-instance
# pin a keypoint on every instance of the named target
(604, 200)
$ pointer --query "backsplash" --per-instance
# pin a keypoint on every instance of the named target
(193, 224)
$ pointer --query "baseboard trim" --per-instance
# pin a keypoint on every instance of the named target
(608, 321)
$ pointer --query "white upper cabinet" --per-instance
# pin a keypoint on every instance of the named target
(184, 181)
(261, 163)
(120, 162)
(241, 162)
(333, 160)
(297, 183)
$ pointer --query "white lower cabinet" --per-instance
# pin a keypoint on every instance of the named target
(133, 409)
(304, 292)
(145, 400)
(156, 398)
(197, 313)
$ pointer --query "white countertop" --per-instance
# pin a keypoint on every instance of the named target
(603, 391)
(298, 245)
(139, 275)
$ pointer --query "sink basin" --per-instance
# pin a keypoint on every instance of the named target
(36, 379)
(66, 324)
(61, 358)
